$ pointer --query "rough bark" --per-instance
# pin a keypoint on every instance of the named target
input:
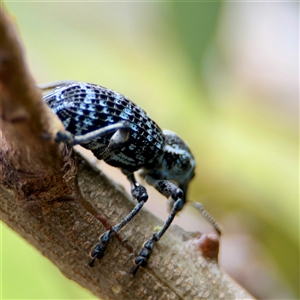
(60, 204)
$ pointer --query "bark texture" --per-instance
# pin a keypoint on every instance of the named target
(61, 204)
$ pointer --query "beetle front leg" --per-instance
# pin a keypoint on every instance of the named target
(167, 189)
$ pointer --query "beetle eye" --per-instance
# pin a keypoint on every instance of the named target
(185, 163)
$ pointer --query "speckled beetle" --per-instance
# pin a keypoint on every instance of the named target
(122, 134)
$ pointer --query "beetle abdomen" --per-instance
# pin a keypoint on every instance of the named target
(85, 107)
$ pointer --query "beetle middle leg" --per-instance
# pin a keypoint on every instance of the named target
(140, 194)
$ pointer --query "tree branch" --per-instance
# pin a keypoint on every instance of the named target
(61, 205)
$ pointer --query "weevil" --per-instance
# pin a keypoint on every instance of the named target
(122, 134)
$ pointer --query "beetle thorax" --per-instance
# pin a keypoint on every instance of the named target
(176, 163)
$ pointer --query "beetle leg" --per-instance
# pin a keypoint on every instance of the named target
(120, 131)
(168, 189)
(140, 194)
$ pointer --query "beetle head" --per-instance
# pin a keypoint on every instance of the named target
(176, 163)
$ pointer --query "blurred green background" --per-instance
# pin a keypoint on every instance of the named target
(224, 76)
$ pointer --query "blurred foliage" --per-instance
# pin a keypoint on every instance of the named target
(26, 274)
(195, 25)
(246, 146)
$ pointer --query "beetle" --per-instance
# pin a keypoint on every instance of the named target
(123, 135)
